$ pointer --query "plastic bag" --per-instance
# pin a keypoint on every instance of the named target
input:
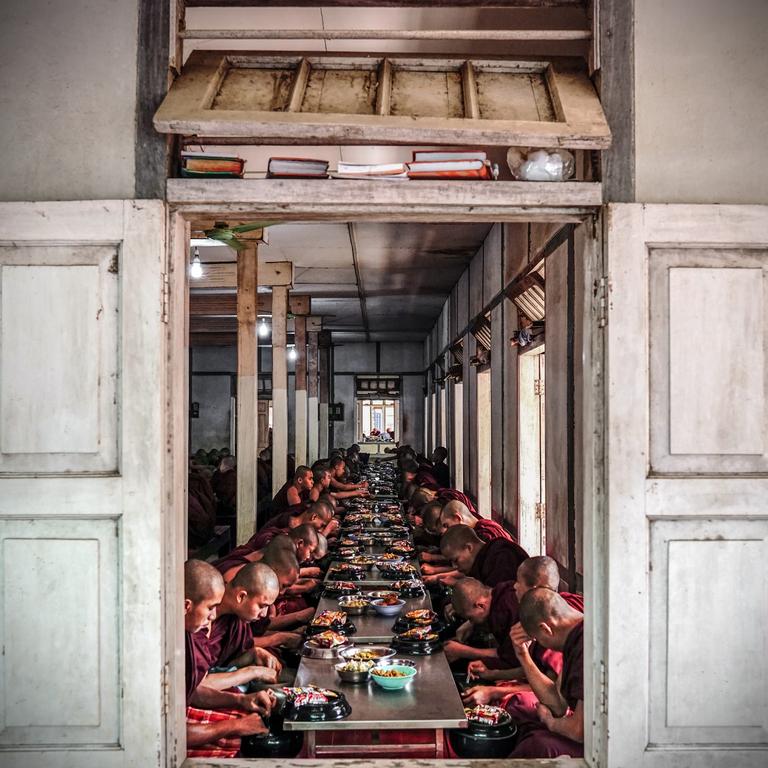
(540, 164)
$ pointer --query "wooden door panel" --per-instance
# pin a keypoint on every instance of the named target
(687, 668)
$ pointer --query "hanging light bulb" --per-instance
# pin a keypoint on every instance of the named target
(292, 354)
(263, 328)
(196, 268)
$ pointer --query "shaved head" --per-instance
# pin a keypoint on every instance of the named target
(421, 497)
(456, 513)
(282, 560)
(323, 508)
(543, 612)
(430, 515)
(201, 580)
(539, 572)
(458, 536)
(466, 593)
(306, 533)
(255, 579)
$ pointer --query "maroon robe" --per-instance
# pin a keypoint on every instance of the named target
(261, 538)
(445, 495)
(195, 661)
(229, 638)
(282, 520)
(260, 626)
(505, 612)
(225, 487)
(539, 742)
(280, 501)
(487, 530)
(425, 479)
(497, 561)
(235, 557)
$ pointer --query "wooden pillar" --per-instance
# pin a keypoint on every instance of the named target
(247, 392)
(325, 394)
(313, 446)
(279, 387)
(300, 342)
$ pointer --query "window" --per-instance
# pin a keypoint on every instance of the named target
(377, 419)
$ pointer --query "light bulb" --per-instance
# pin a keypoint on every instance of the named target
(292, 354)
(196, 268)
(263, 328)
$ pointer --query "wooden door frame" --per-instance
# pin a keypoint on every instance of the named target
(380, 206)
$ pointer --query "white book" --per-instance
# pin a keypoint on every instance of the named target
(370, 169)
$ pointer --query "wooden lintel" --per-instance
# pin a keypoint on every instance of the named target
(225, 304)
(224, 275)
(314, 324)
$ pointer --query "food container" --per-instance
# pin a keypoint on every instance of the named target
(377, 653)
(276, 743)
(354, 605)
(385, 609)
(393, 677)
(347, 628)
(396, 661)
(354, 671)
(338, 588)
(312, 651)
(346, 572)
(398, 571)
(381, 594)
(482, 740)
(412, 646)
(409, 588)
(336, 708)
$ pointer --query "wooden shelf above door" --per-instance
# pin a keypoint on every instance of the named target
(312, 98)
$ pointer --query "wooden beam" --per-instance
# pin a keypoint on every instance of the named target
(386, 3)
(342, 200)
(225, 304)
(279, 388)
(312, 384)
(505, 35)
(469, 88)
(224, 275)
(299, 87)
(300, 345)
(247, 393)
(384, 88)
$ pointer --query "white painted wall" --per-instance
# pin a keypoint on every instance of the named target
(67, 99)
(700, 95)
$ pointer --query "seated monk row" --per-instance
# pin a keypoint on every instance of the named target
(204, 595)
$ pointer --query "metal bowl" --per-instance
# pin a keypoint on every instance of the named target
(313, 652)
(393, 661)
(349, 676)
(354, 610)
(382, 652)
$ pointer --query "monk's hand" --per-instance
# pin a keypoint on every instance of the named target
(266, 659)
(453, 650)
(287, 639)
(272, 611)
(449, 612)
(479, 694)
(262, 674)
(476, 669)
(431, 579)
(520, 640)
(249, 725)
(312, 572)
(427, 570)
(545, 715)
(464, 632)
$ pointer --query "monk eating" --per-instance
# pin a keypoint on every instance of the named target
(338, 479)
(489, 563)
(203, 592)
(230, 639)
(548, 619)
(294, 493)
(457, 513)
(534, 572)
(495, 606)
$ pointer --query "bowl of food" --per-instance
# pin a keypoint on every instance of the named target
(374, 653)
(388, 606)
(339, 588)
(419, 641)
(354, 605)
(490, 733)
(326, 645)
(393, 677)
(382, 594)
(354, 671)
(409, 587)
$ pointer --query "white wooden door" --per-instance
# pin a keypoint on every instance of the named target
(82, 428)
(687, 447)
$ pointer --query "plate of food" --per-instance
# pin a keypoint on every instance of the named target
(326, 645)
(419, 641)
(310, 703)
(337, 588)
(409, 587)
(346, 571)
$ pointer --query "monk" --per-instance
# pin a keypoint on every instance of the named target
(316, 515)
(203, 592)
(489, 563)
(495, 606)
(295, 493)
(224, 483)
(548, 619)
(457, 513)
(246, 598)
(338, 475)
(534, 572)
(439, 466)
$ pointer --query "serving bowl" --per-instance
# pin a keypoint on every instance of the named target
(354, 671)
(354, 605)
(402, 675)
(384, 609)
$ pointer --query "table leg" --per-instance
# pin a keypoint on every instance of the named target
(439, 744)
(310, 743)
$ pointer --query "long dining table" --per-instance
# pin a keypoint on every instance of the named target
(430, 702)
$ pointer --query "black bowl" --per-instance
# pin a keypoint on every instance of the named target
(417, 590)
(416, 647)
(348, 628)
(332, 592)
(276, 743)
(484, 741)
(336, 709)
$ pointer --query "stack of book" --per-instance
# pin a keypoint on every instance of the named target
(296, 168)
(385, 171)
(203, 165)
(451, 164)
